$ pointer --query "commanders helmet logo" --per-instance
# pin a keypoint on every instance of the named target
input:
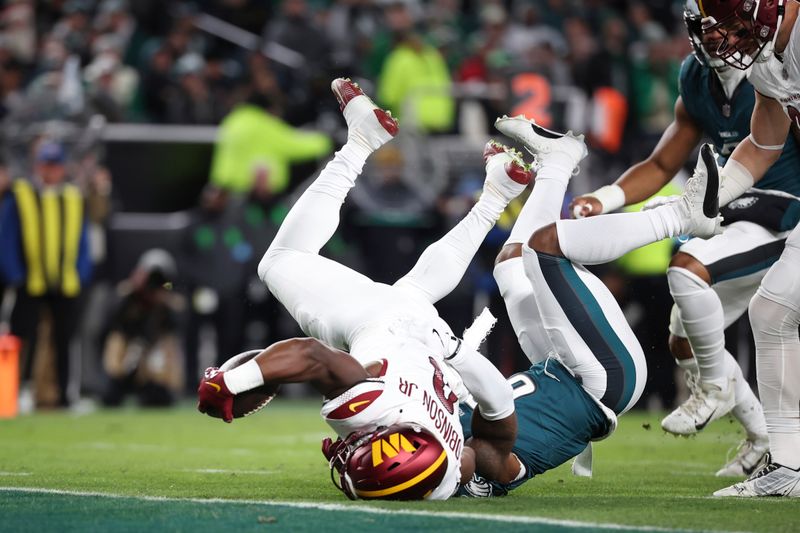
(390, 448)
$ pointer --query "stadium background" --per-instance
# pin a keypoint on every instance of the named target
(154, 102)
(136, 92)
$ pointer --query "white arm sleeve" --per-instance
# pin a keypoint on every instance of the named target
(735, 180)
(486, 384)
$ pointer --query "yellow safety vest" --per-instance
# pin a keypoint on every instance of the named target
(51, 223)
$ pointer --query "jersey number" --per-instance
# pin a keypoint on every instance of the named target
(532, 94)
(522, 385)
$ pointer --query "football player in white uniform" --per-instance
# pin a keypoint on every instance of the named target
(391, 399)
(764, 35)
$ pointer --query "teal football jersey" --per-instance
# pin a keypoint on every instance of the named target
(556, 419)
(727, 122)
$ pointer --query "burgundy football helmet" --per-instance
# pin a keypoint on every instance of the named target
(399, 462)
(747, 28)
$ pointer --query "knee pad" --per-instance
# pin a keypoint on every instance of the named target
(683, 282)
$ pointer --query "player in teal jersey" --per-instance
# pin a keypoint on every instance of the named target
(556, 420)
(713, 280)
(588, 366)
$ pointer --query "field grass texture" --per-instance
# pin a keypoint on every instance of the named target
(177, 470)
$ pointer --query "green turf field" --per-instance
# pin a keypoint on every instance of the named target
(177, 470)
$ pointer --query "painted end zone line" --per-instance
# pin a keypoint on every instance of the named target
(355, 508)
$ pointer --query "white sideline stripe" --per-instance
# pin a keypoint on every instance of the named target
(224, 471)
(355, 508)
(15, 473)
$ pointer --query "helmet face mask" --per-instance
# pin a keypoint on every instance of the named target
(732, 41)
(399, 462)
(744, 30)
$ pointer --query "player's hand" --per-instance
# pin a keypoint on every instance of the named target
(658, 201)
(213, 394)
(585, 206)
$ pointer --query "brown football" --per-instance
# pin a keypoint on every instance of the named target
(251, 401)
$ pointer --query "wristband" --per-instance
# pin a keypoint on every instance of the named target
(245, 377)
(611, 197)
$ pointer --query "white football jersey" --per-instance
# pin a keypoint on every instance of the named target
(781, 79)
(413, 388)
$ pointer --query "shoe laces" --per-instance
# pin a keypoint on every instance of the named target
(739, 452)
(697, 396)
(691, 190)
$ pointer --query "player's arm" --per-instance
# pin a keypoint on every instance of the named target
(752, 157)
(492, 442)
(307, 360)
(494, 420)
(646, 178)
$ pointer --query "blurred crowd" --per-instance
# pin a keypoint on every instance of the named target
(260, 70)
(191, 63)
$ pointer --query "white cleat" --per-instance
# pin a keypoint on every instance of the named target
(707, 403)
(772, 479)
(699, 203)
(507, 174)
(750, 455)
(367, 124)
(540, 141)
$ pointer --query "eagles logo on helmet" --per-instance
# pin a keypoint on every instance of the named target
(747, 28)
(398, 462)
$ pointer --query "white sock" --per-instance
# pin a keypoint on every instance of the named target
(747, 410)
(778, 366)
(523, 312)
(244, 377)
(441, 265)
(703, 322)
(490, 204)
(543, 206)
(604, 238)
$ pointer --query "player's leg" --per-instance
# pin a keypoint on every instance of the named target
(542, 207)
(325, 298)
(775, 317)
(747, 409)
(582, 321)
(315, 216)
(442, 264)
(587, 328)
(711, 281)
(605, 238)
